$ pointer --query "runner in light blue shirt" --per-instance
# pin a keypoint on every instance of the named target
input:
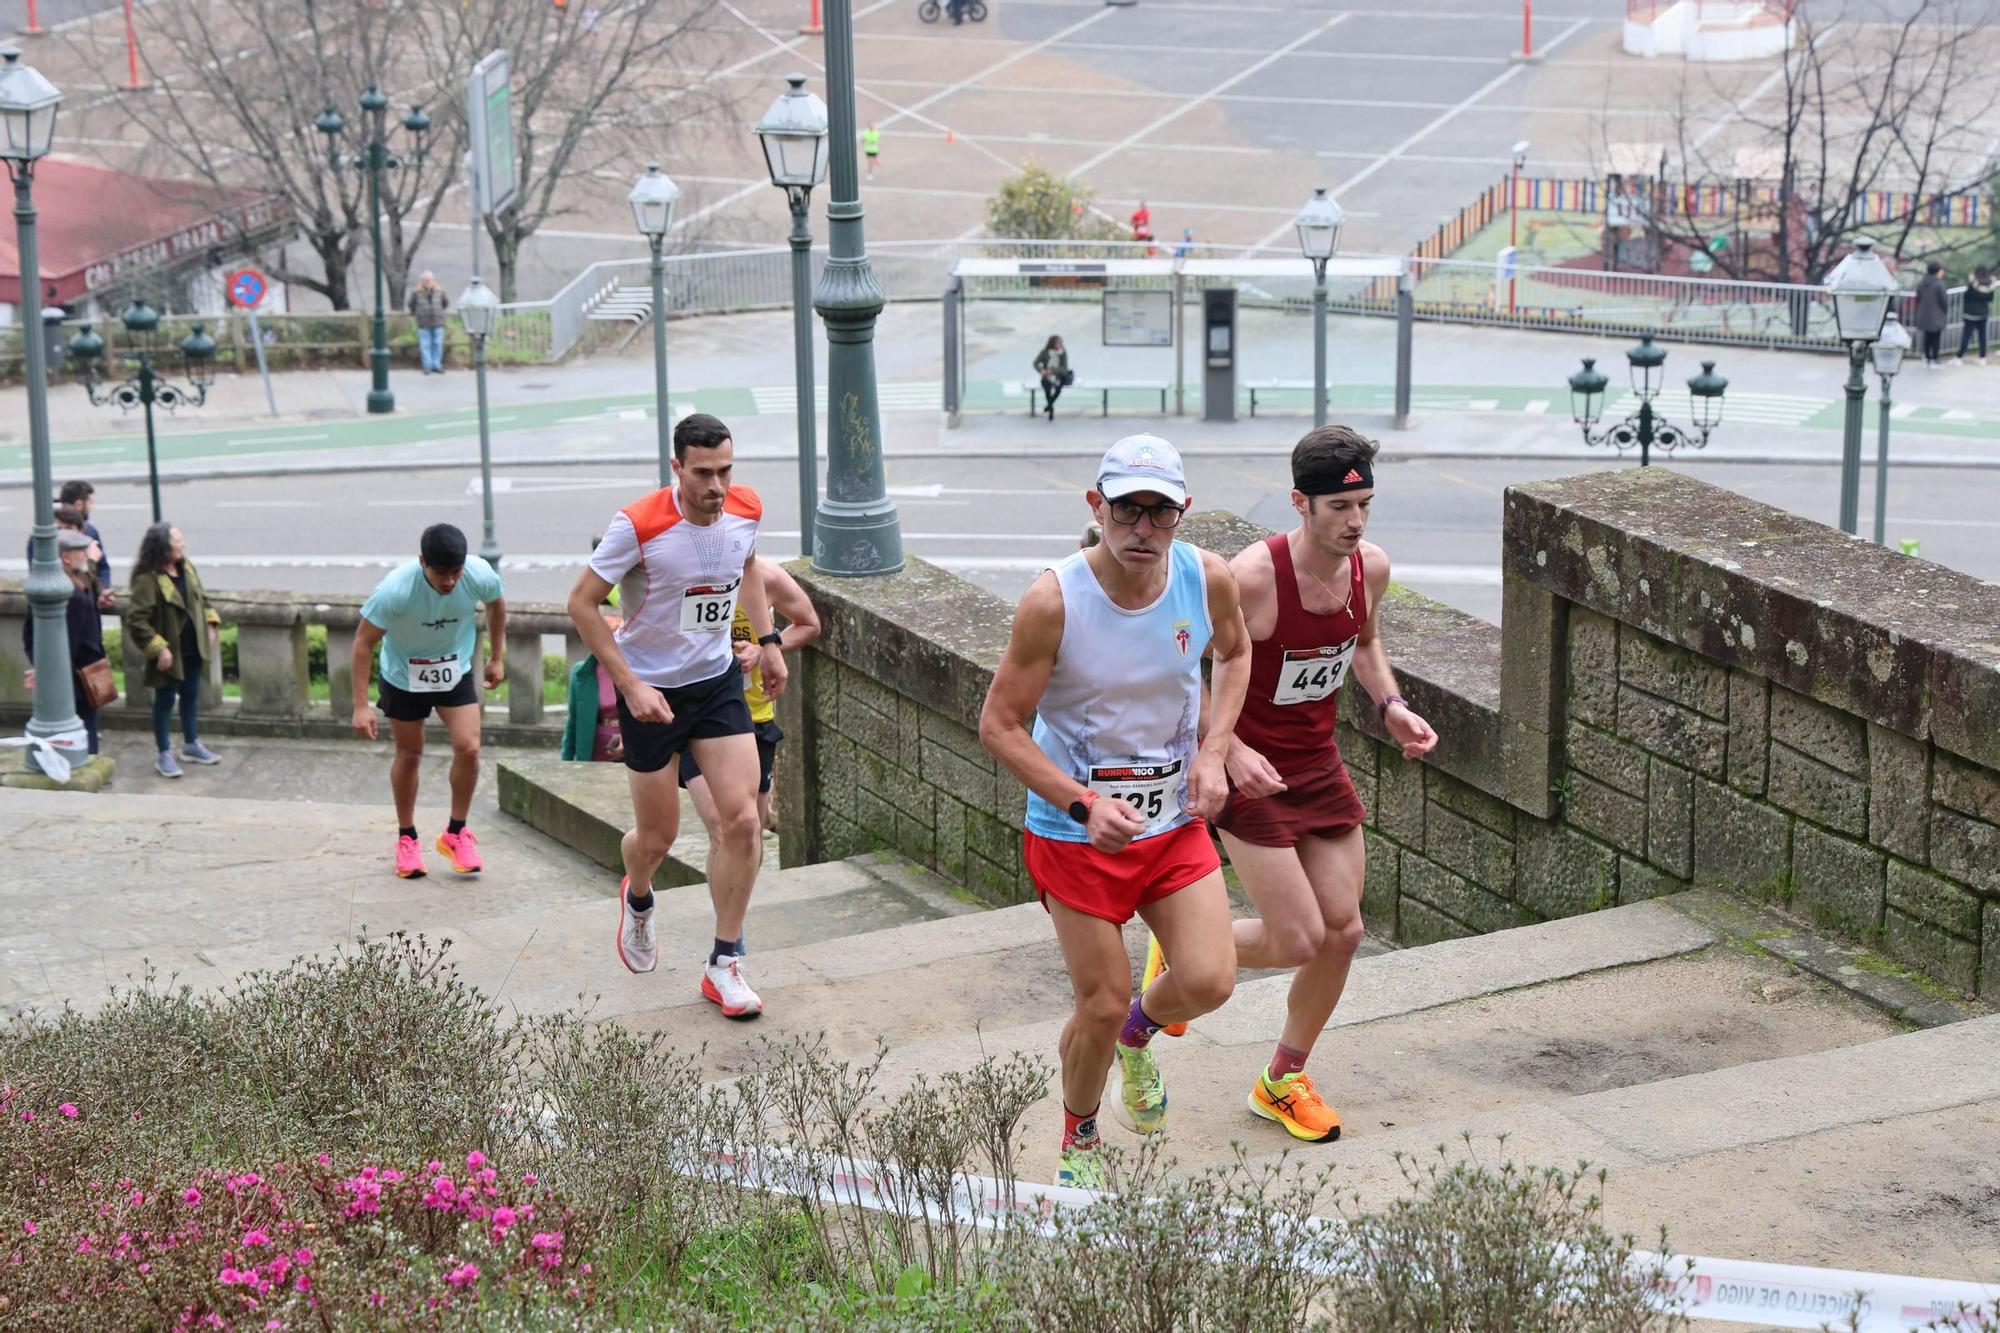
(423, 616)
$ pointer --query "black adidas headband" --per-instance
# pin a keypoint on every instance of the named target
(1332, 478)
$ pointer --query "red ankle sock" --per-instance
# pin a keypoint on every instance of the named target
(1286, 1061)
(1079, 1128)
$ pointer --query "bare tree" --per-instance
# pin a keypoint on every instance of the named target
(593, 90)
(1864, 112)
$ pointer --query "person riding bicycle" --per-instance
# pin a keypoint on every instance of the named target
(956, 10)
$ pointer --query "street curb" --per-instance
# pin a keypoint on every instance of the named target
(1389, 455)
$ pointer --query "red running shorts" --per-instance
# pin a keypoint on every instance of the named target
(1317, 805)
(1113, 885)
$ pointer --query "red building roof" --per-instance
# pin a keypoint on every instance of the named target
(98, 226)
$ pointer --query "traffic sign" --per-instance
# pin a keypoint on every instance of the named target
(245, 287)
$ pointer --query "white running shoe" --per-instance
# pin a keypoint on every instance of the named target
(722, 984)
(637, 948)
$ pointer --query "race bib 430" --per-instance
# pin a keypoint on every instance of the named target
(433, 675)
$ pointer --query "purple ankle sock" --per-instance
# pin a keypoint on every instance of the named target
(1138, 1029)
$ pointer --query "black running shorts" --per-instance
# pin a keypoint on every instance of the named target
(414, 706)
(768, 737)
(707, 708)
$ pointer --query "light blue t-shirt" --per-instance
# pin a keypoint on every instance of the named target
(436, 630)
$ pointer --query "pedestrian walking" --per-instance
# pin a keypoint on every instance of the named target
(1185, 246)
(81, 496)
(421, 623)
(1095, 708)
(167, 614)
(429, 303)
(1977, 307)
(871, 148)
(86, 630)
(1052, 364)
(1931, 313)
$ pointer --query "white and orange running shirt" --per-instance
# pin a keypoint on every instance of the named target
(678, 582)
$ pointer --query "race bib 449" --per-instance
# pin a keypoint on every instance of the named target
(1311, 674)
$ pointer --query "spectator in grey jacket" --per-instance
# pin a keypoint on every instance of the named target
(1932, 314)
(428, 303)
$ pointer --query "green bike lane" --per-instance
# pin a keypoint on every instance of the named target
(265, 441)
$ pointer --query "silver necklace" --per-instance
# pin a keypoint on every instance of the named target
(1300, 564)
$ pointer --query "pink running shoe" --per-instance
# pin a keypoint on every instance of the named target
(409, 858)
(463, 851)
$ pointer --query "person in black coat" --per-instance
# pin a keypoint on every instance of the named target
(86, 624)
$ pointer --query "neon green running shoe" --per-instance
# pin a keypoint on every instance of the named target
(1082, 1166)
(1143, 1098)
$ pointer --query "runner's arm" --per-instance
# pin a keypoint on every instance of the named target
(367, 634)
(1371, 663)
(789, 600)
(1228, 683)
(496, 642)
(756, 602)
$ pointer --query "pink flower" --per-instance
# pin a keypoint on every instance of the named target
(528, 1178)
(474, 1160)
(30, 1227)
(256, 1236)
(302, 1255)
(547, 1240)
(273, 1325)
(503, 1217)
(464, 1275)
(324, 1160)
(229, 1276)
(28, 1117)
(189, 1196)
(69, 1110)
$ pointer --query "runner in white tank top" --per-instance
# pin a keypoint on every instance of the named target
(1106, 653)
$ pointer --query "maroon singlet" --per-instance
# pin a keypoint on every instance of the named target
(1296, 674)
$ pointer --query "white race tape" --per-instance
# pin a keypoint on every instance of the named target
(1736, 1290)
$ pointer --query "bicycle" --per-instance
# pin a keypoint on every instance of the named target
(930, 10)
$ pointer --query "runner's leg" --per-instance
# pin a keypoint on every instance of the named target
(736, 843)
(1289, 928)
(1100, 981)
(1310, 898)
(1193, 926)
(704, 805)
(403, 769)
(656, 814)
(461, 723)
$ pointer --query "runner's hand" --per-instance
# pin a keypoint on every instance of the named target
(1113, 824)
(1207, 785)
(748, 656)
(496, 671)
(1252, 773)
(648, 704)
(1409, 731)
(776, 673)
(365, 725)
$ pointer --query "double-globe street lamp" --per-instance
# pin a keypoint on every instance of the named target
(1887, 355)
(793, 133)
(375, 158)
(1863, 289)
(1319, 234)
(652, 201)
(478, 312)
(1646, 428)
(28, 104)
(147, 386)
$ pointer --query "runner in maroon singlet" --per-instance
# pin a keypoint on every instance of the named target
(1292, 825)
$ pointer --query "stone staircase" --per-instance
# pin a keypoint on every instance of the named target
(1758, 1111)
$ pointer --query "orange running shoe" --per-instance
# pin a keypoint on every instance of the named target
(1293, 1102)
(462, 849)
(1156, 963)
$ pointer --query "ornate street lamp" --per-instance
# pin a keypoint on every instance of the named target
(479, 312)
(652, 201)
(1887, 354)
(28, 104)
(1319, 234)
(375, 158)
(1863, 288)
(147, 386)
(793, 133)
(856, 530)
(1646, 428)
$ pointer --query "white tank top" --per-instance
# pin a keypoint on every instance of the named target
(1123, 704)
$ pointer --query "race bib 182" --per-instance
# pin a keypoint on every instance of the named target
(1152, 790)
(708, 608)
(1311, 674)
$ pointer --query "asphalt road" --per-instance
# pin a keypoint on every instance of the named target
(997, 522)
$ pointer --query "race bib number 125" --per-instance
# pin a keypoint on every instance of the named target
(1311, 674)
(1152, 790)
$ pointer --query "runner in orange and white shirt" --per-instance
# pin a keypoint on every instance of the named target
(680, 558)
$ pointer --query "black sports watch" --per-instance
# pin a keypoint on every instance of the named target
(773, 637)
(1079, 809)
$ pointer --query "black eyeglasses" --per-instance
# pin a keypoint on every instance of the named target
(1165, 514)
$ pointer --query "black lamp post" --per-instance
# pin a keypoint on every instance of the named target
(1646, 428)
(147, 386)
(28, 105)
(1862, 288)
(375, 158)
(1887, 353)
(653, 199)
(793, 133)
(1318, 226)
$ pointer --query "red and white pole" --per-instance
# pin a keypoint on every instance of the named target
(34, 28)
(813, 28)
(133, 82)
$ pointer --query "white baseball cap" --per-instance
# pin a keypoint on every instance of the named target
(1142, 463)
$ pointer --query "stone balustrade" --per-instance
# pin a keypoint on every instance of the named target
(274, 694)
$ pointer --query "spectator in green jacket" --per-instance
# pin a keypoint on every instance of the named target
(168, 617)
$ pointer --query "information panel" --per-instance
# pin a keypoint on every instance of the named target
(489, 112)
(1138, 317)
